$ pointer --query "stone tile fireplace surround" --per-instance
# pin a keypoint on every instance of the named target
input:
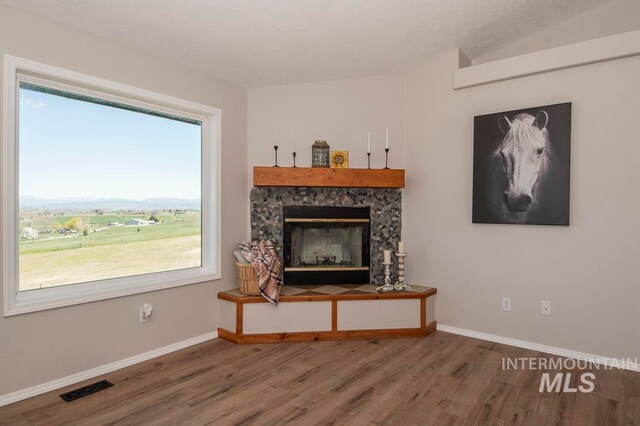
(385, 209)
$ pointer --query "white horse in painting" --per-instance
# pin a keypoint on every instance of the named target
(524, 156)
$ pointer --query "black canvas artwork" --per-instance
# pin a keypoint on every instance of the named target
(521, 166)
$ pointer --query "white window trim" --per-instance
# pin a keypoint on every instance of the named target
(16, 302)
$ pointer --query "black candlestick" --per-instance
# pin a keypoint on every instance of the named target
(386, 158)
(275, 147)
(368, 160)
(294, 158)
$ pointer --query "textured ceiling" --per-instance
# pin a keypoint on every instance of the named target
(265, 42)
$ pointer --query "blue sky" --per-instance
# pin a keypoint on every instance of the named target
(76, 149)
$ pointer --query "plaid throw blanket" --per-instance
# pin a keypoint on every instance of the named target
(264, 258)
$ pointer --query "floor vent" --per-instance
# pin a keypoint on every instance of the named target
(86, 390)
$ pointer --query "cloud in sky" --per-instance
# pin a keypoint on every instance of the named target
(34, 105)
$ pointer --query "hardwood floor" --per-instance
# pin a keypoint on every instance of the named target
(440, 379)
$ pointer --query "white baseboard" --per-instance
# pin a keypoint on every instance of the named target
(553, 350)
(103, 369)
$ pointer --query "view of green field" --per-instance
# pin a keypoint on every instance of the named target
(105, 190)
(105, 247)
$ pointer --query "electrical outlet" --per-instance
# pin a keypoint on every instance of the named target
(546, 308)
(506, 304)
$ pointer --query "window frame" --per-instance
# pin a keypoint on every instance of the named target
(18, 70)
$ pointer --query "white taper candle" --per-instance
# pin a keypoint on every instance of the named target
(387, 256)
(387, 146)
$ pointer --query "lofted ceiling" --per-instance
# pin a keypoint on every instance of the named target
(258, 43)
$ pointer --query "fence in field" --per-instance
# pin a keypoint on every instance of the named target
(47, 246)
(66, 246)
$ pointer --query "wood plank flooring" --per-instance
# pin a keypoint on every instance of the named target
(440, 379)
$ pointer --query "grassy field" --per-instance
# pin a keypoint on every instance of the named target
(54, 259)
(54, 268)
(114, 235)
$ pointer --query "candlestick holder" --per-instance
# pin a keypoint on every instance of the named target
(294, 158)
(386, 158)
(368, 160)
(401, 285)
(387, 280)
(275, 147)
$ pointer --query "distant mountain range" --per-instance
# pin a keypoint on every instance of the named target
(33, 203)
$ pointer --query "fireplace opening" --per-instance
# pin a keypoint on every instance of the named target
(326, 245)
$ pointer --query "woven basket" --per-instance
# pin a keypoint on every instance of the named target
(247, 279)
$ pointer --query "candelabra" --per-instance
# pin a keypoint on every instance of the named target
(387, 279)
(401, 285)
(386, 158)
(275, 147)
(294, 158)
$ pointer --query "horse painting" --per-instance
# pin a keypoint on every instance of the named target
(521, 166)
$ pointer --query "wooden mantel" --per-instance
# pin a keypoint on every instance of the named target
(327, 177)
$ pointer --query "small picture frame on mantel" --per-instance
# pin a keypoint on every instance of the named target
(339, 159)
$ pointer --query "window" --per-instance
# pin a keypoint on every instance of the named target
(108, 190)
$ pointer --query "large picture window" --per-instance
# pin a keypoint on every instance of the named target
(109, 190)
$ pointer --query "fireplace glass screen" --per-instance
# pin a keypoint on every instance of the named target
(326, 245)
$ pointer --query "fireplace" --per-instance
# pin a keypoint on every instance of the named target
(326, 245)
(385, 216)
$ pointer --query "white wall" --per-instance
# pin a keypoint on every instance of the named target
(43, 346)
(340, 111)
(613, 17)
(589, 270)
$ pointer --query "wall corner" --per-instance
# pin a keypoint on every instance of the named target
(463, 59)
